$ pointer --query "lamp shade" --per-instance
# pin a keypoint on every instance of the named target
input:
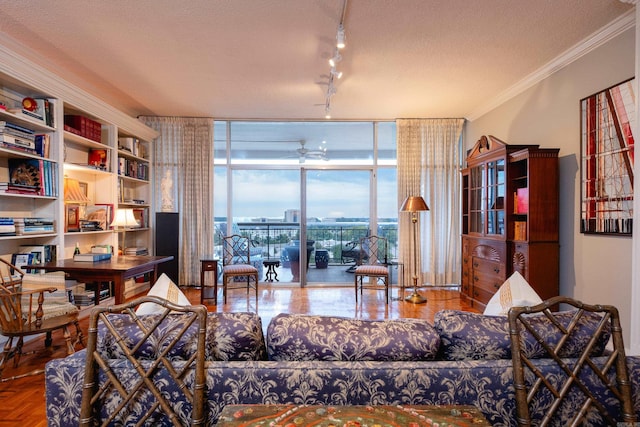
(414, 204)
(124, 218)
(72, 191)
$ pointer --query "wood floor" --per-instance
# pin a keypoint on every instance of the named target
(22, 400)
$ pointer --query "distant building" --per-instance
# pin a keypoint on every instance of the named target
(292, 215)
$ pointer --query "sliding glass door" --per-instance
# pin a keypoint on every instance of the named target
(304, 193)
(337, 216)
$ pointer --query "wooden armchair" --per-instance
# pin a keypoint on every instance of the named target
(145, 370)
(24, 313)
(566, 388)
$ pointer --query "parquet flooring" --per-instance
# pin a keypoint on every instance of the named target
(22, 401)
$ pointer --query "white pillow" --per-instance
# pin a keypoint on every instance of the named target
(163, 288)
(515, 291)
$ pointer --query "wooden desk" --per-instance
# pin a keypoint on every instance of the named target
(383, 415)
(115, 270)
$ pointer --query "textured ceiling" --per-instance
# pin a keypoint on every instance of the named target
(267, 59)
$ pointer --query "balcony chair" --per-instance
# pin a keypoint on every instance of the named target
(157, 358)
(29, 312)
(372, 265)
(353, 252)
(236, 264)
(565, 387)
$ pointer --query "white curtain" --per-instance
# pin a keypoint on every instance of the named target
(185, 149)
(429, 162)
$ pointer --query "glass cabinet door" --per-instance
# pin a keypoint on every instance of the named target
(495, 197)
(476, 197)
(486, 198)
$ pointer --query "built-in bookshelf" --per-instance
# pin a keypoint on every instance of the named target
(134, 188)
(60, 182)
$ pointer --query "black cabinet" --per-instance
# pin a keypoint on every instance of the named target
(167, 229)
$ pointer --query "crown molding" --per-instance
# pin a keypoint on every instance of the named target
(35, 77)
(595, 40)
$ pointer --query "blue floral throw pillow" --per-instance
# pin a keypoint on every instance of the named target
(305, 337)
(476, 336)
(230, 336)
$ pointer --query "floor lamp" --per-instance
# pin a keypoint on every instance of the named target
(415, 204)
(124, 219)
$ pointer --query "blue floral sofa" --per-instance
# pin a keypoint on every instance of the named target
(462, 358)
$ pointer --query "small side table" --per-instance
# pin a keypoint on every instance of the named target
(271, 273)
(208, 264)
(400, 267)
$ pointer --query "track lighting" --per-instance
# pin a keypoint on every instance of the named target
(340, 38)
(335, 59)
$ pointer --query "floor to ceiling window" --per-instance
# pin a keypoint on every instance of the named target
(305, 192)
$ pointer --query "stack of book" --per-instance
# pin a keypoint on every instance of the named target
(90, 225)
(7, 226)
(102, 249)
(136, 251)
(34, 225)
(16, 137)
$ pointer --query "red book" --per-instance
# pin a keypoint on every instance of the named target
(522, 201)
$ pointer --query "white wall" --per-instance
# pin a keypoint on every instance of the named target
(594, 269)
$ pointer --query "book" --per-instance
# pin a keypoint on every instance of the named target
(42, 143)
(25, 172)
(522, 201)
(102, 249)
(41, 254)
(91, 257)
(99, 158)
(519, 230)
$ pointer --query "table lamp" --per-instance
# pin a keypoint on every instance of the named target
(124, 219)
(415, 204)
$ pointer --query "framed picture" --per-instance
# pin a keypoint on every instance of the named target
(606, 186)
(101, 212)
(84, 188)
(21, 261)
(72, 222)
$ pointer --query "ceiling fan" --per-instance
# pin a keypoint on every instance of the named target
(305, 153)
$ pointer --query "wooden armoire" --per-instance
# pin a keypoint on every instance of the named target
(509, 218)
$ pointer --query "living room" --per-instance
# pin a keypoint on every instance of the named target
(541, 106)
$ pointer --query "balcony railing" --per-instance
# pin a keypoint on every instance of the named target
(335, 238)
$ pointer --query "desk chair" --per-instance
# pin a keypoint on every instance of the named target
(372, 265)
(27, 312)
(564, 387)
(236, 264)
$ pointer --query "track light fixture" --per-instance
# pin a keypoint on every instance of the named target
(333, 61)
(340, 38)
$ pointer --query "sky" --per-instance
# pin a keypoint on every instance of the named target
(331, 193)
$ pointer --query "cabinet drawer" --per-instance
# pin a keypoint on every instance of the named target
(209, 266)
(489, 283)
(488, 268)
(482, 295)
